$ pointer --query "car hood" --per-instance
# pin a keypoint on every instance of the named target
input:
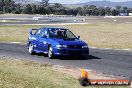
(69, 41)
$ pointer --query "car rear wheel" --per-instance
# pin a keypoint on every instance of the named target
(31, 49)
(50, 53)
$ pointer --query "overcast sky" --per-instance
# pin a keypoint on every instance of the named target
(81, 1)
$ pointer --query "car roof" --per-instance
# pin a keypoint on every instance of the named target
(52, 28)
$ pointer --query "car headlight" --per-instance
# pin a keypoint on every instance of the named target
(61, 46)
(85, 46)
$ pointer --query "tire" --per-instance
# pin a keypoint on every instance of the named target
(84, 82)
(50, 53)
(31, 49)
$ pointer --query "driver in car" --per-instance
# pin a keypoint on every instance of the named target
(60, 34)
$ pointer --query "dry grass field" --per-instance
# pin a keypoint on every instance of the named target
(28, 74)
(102, 35)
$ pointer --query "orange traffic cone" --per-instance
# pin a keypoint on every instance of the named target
(84, 80)
(84, 73)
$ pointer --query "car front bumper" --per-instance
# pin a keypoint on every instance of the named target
(71, 52)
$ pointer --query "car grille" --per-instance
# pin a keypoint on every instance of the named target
(72, 52)
(75, 46)
(64, 51)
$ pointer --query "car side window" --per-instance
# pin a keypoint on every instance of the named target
(43, 33)
(69, 34)
(38, 33)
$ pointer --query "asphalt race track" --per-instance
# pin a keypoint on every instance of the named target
(28, 19)
(113, 62)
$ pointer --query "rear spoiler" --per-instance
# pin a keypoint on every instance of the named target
(31, 31)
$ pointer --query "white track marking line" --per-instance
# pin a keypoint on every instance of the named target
(15, 42)
(59, 66)
(110, 49)
(51, 24)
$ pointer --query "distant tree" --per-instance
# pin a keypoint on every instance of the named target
(85, 7)
(70, 12)
(108, 11)
(80, 13)
(92, 7)
(125, 9)
(101, 11)
(96, 12)
(5, 9)
(34, 9)
(57, 6)
(79, 8)
(7, 2)
(9, 6)
(27, 9)
(114, 12)
(89, 10)
(18, 9)
(42, 10)
(1, 6)
(59, 9)
(45, 3)
(118, 7)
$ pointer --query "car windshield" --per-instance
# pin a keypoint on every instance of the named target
(61, 33)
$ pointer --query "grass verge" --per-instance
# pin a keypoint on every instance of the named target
(24, 74)
(28, 74)
(102, 35)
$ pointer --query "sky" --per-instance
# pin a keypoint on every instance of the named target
(80, 1)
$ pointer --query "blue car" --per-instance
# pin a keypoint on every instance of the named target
(56, 42)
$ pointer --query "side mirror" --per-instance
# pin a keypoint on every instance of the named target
(78, 37)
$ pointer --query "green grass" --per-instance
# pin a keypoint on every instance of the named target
(100, 35)
(28, 74)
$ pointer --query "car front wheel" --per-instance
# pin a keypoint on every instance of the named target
(31, 49)
(50, 53)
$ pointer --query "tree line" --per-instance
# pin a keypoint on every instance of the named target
(9, 6)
